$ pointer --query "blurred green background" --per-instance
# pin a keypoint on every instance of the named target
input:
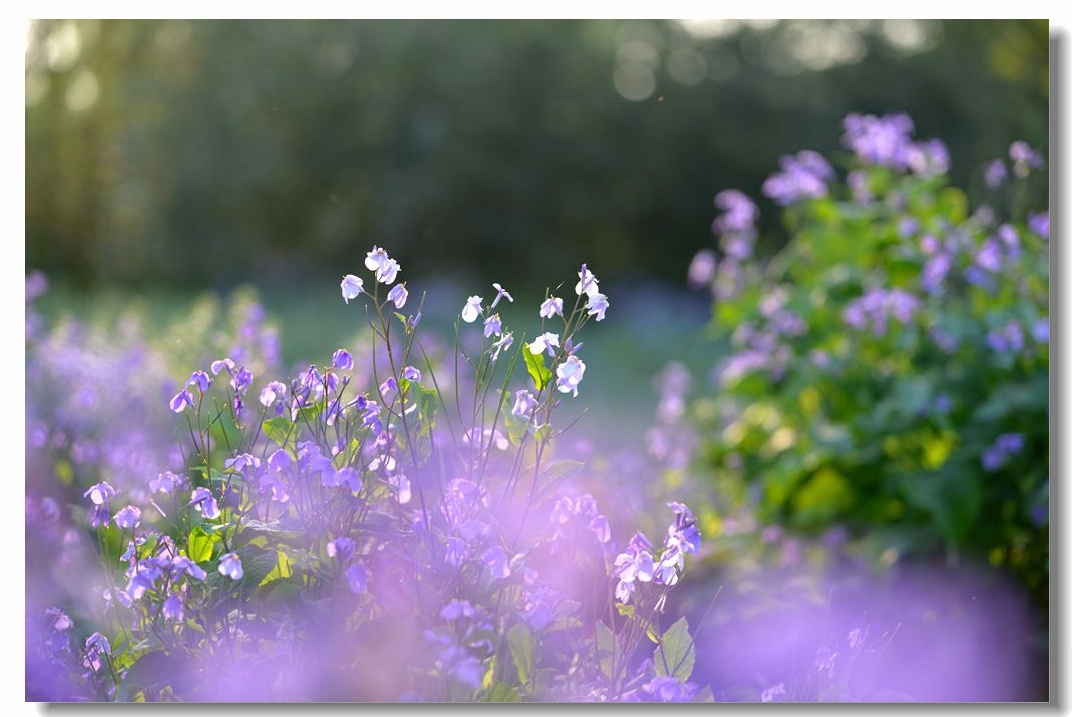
(204, 154)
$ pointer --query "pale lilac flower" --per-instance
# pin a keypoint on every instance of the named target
(802, 177)
(204, 502)
(165, 482)
(411, 373)
(220, 364)
(471, 309)
(172, 608)
(502, 344)
(1007, 339)
(884, 141)
(544, 341)
(128, 518)
(242, 461)
(280, 461)
(492, 325)
(600, 527)
(96, 648)
(588, 283)
(200, 379)
(771, 692)
(358, 578)
(343, 548)
(497, 562)
(456, 609)
(995, 173)
(342, 359)
(597, 306)
(500, 293)
(550, 307)
(181, 400)
(100, 493)
(1040, 331)
(929, 159)
(1040, 224)
(231, 566)
(398, 295)
(524, 403)
(182, 564)
(739, 212)
(352, 287)
(272, 392)
(1024, 158)
(702, 269)
(385, 267)
(570, 372)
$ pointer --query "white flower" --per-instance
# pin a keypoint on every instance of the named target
(570, 372)
(398, 295)
(544, 341)
(524, 402)
(551, 307)
(385, 267)
(375, 258)
(597, 305)
(351, 287)
(588, 284)
(471, 309)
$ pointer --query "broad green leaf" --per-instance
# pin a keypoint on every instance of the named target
(199, 545)
(280, 431)
(281, 570)
(541, 375)
(676, 655)
(522, 648)
(151, 670)
(500, 692)
(607, 649)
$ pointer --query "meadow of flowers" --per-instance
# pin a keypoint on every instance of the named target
(401, 520)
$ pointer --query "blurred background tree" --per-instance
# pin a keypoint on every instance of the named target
(209, 153)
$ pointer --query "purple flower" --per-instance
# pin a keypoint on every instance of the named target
(342, 548)
(739, 213)
(1005, 445)
(503, 344)
(597, 306)
(860, 186)
(929, 159)
(201, 380)
(411, 373)
(351, 287)
(588, 283)
(1007, 339)
(358, 578)
(205, 504)
(342, 359)
(570, 373)
(272, 393)
(496, 561)
(524, 403)
(181, 400)
(802, 177)
(172, 608)
(702, 269)
(231, 566)
(1040, 331)
(884, 141)
(499, 294)
(220, 364)
(280, 461)
(771, 692)
(96, 648)
(1024, 158)
(182, 564)
(492, 325)
(128, 518)
(1040, 224)
(550, 307)
(457, 609)
(995, 173)
(398, 295)
(544, 341)
(385, 267)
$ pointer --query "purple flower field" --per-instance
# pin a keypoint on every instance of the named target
(848, 500)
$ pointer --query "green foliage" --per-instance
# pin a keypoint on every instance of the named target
(541, 375)
(676, 654)
(888, 424)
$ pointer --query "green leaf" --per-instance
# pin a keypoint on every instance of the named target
(522, 648)
(151, 669)
(199, 545)
(676, 655)
(558, 471)
(606, 649)
(280, 431)
(541, 375)
(501, 692)
(281, 570)
(257, 563)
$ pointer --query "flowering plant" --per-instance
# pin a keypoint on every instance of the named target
(888, 368)
(409, 537)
